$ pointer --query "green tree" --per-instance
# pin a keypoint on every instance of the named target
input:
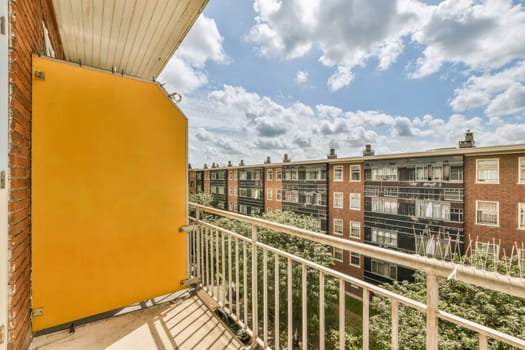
(490, 308)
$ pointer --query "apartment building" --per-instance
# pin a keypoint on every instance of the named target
(433, 203)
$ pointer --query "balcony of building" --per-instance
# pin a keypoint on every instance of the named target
(226, 308)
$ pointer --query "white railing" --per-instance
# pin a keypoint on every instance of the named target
(219, 257)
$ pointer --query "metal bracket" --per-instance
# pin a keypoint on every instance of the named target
(2, 179)
(191, 281)
(40, 75)
(37, 312)
(2, 334)
(2, 25)
(188, 228)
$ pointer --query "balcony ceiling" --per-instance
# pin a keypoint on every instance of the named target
(136, 36)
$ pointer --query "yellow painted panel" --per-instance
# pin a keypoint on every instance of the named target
(108, 192)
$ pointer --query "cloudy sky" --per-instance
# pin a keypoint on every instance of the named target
(267, 77)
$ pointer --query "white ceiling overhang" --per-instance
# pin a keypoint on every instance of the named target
(136, 37)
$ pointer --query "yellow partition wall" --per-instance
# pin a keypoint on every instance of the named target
(108, 192)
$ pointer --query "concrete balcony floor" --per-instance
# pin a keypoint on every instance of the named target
(186, 323)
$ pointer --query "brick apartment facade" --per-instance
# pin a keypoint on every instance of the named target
(432, 203)
(26, 39)
(274, 188)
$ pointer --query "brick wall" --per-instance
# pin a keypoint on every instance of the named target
(232, 189)
(508, 193)
(26, 38)
(346, 214)
(272, 185)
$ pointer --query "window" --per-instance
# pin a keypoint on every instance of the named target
(257, 175)
(355, 229)
(256, 194)
(338, 173)
(230, 175)
(486, 248)
(338, 199)
(433, 209)
(390, 191)
(243, 209)
(384, 269)
(292, 196)
(487, 171)
(487, 213)
(521, 170)
(243, 192)
(278, 174)
(422, 173)
(384, 174)
(278, 196)
(338, 254)
(456, 173)
(385, 205)
(355, 201)
(338, 227)
(243, 175)
(453, 194)
(371, 191)
(384, 237)
(521, 216)
(355, 259)
(269, 194)
(314, 174)
(456, 214)
(269, 175)
(355, 173)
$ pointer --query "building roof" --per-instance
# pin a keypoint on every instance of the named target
(440, 152)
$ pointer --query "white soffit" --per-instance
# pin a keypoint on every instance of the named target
(135, 36)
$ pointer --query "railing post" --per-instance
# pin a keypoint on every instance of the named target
(366, 318)
(255, 317)
(432, 307)
(395, 324)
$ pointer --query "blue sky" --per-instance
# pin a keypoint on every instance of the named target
(265, 77)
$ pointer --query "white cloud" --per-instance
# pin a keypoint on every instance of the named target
(185, 71)
(480, 34)
(301, 77)
(501, 92)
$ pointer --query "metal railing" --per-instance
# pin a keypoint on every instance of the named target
(227, 261)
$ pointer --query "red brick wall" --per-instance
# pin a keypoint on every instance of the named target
(232, 189)
(347, 215)
(273, 185)
(26, 39)
(192, 178)
(508, 193)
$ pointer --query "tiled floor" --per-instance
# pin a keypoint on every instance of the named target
(183, 324)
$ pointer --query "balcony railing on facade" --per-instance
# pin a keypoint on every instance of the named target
(225, 261)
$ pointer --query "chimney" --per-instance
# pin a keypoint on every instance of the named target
(230, 163)
(213, 165)
(286, 159)
(205, 166)
(469, 140)
(189, 165)
(368, 151)
(332, 154)
(241, 163)
(267, 161)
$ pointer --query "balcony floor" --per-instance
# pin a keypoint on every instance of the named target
(186, 323)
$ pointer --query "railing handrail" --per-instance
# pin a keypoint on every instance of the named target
(486, 279)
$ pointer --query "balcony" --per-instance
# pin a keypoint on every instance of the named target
(223, 264)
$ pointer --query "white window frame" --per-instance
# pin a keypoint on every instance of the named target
(338, 168)
(278, 194)
(497, 213)
(336, 200)
(342, 254)
(336, 223)
(521, 259)
(354, 254)
(358, 195)
(378, 262)
(482, 181)
(269, 175)
(352, 172)
(521, 216)
(352, 223)
(521, 170)
(278, 174)
(269, 194)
